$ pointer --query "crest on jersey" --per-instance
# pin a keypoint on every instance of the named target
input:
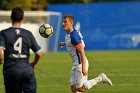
(17, 31)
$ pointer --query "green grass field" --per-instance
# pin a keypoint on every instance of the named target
(122, 67)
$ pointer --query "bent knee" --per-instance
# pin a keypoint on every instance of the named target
(81, 89)
(73, 89)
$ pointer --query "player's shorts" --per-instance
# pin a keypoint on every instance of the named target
(19, 81)
(76, 76)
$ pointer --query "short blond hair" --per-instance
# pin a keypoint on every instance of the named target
(71, 17)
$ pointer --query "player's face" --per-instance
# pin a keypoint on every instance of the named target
(67, 24)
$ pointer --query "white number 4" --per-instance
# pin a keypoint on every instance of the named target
(18, 45)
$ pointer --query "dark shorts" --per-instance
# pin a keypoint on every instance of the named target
(19, 80)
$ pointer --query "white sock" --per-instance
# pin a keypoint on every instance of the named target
(90, 83)
(98, 79)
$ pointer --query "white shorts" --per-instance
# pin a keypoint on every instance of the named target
(76, 76)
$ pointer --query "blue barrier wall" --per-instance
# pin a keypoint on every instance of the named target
(105, 25)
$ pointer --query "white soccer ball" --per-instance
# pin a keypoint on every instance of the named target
(46, 30)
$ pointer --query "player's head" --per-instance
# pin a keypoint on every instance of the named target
(17, 14)
(68, 21)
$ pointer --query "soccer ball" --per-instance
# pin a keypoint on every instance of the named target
(45, 30)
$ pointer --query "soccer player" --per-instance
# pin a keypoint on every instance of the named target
(15, 43)
(75, 47)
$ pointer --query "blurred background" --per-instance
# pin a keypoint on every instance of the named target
(105, 24)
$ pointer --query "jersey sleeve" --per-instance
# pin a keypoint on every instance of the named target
(34, 45)
(2, 44)
(75, 40)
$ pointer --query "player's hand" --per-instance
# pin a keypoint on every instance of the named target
(62, 44)
(84, 71)
(33, 64)
(0, 62)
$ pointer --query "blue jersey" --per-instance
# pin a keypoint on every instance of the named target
(72, 39)
(17, 43)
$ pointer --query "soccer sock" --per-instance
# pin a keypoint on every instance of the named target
(98, 79)
(90, 83)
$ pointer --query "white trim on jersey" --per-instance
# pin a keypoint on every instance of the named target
(2, 47)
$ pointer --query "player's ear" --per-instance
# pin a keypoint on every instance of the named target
(71, 22)
(22, 20)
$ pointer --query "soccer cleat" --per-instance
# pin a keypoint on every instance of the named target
(105, 79)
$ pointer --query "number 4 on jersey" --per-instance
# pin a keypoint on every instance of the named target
(18, 45)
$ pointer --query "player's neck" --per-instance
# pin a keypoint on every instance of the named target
(70, 30)
(16, 24)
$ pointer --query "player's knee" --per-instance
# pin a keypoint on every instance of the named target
(73, 89)
(81, 89)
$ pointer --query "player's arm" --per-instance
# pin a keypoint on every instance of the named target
(2, 46)
(36, 49)
(62, 44)
(1, 54)
(36, 59)
(81, 51)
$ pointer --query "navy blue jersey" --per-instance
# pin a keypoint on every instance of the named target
(17, 43)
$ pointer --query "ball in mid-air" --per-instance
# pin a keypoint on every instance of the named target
(45, 30)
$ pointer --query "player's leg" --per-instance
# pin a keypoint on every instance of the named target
(72, 80)
(101, 78)
(80, 79)
(29, 82)
(88, 84)
(12, 87)
(91, 83)
(12, 81)
(83, 84)
(73, 89)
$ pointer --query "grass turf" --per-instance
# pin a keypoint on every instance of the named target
(122, 67)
